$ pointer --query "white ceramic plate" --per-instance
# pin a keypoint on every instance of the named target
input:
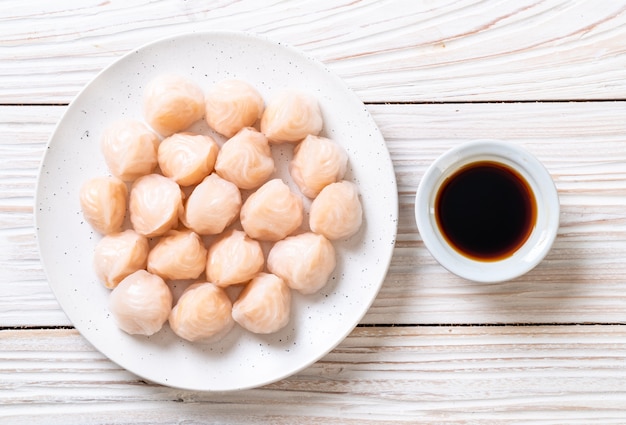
(241, 360)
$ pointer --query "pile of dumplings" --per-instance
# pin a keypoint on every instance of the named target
(210, 211)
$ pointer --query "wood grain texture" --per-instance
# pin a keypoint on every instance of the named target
(26, 297)
(583, 279)
(422, 353)
(435, 375)
(587, 165)
(387, 51)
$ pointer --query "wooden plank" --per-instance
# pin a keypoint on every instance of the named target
(399, 51)
(26, 297)
(583, 279)
(583, 145)
(438, 375)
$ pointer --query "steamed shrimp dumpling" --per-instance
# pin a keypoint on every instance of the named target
(172, 103)
(291, 116)
(212, 205)
(272, 212)
(316, 163)
(336, 212)
(141, 303)
(155, 204)
(246, 159)
(232, 105)
(129, 148)
(103, 202)
(178, 255)
(203, 312)
(304, 261)
(118, 255)
(187, 158)
(234, 259)
(264, 306)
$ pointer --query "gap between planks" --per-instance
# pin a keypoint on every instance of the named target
(383, 325)
(442, 102)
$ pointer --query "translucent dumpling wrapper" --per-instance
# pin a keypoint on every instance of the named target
(233, 259)
(172, 103)
(141, 303)
(272, 212)
(291, 116)
(304, 261)
(264, 306)
(246, 159)
(129, 148)
(155, 204)
(118, 255)
(232, 105)
(212, 206)
(178, 255)
(187, 158)
(203, 313)
(336, 212)
(103, 202)
(317, 162)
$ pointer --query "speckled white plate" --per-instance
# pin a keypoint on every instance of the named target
(241, 360)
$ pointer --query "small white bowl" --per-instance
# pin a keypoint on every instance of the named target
(541, 237)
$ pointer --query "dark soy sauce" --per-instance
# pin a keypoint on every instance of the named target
(486, 210)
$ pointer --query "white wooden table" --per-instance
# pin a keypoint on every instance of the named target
(546, 348)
